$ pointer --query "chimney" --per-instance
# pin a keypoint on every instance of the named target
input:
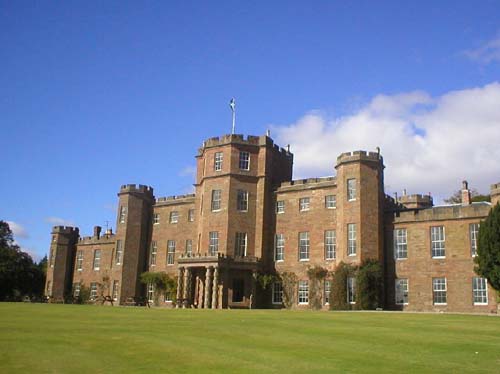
(109, 232)
(466, 197)
(97, 231)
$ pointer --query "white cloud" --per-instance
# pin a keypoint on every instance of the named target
(56, 221)
(188, 171)
(487, 53)
(18, 230)
(429, 144)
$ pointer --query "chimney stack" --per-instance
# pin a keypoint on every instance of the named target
(466, 196)
(97, 232)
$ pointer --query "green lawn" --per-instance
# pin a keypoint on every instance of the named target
(45, 338)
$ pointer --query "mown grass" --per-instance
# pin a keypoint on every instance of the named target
(46, 338)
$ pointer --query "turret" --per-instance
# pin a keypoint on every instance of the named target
(60, 263)
(495, 193)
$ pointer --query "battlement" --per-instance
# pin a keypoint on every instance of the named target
(495, 189)
(416, 201)
(178, 198)
(106, 238)
(307, 183)
(356, 156)
(65, 230)
(136, 188)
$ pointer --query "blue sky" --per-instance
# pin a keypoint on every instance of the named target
(99, 94)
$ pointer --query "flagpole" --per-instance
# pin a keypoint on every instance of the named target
(232, 104)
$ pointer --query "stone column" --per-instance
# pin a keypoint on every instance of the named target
(208, 284)
(215, 288)
(179, 287)
(186, 288)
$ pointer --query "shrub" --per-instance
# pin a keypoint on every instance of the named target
(288, 282)
(316, 275)
(369, 285)
(338, 291)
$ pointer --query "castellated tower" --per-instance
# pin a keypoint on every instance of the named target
(132, 235)
(60, 264)
(495, 194)
(360, 206)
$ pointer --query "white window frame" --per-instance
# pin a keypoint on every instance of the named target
(116, 289)
(438, 242)
(326, 291)
(156, 218)
(170, 252)
(79, 260)
(279, 247)
(52, 257)
(123, 214)
(174, 216)
(76, 289)
(93, 291)
(351, 239)
(330, 201)
(240, 244)
(304, 204)
(401, 291)
(277, 298)
(473, 234)
(189, 247)
(480, 291)
(153, 252)
(218, 158)
(96, 263)
(151, 292)
(351, 290)
(244, 161)
(304, 244)
(191, 215)
(119, 252)
(242, 201)
(330, 244)
(351, 189)
(439, 288)
(280, 207)
(400, 244)
(215, 205)
(213, 240)
(303, 292)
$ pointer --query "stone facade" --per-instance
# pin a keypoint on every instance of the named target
(248, 218)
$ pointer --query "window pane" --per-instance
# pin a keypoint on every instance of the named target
(303, 246)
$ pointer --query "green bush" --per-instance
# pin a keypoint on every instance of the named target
(338, 290)
(288, 282)
(162, 282)
(316, 275)
(369, 285)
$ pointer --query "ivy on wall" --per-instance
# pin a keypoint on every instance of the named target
(338, 290)
(288, 282)
(316, 276)
(162, 282)
(369, 285)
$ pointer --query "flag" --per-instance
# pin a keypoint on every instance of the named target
(232, 104)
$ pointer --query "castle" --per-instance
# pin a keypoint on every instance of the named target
(247, 217)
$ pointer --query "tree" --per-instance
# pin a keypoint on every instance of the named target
(488, 248)
(19, 275)
(369, 285)
(456, 198)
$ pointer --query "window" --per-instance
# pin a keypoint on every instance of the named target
(152, 256)
(156, 218)
(244, 161)
(189, 247)
(279, 253)
(213, 246)
(401, 291)
(52, 256)
(93, 291)
(174, 216)
(328, 288)
(400, 244)
(351, 290)
(54, 239)
(240, 248)
(277, 293)
(473, 232)
(151, 292)
(351, 189)
(170, 252)
(116, 285)
(191, 215)
(79, 260)
(437, 242)
(439, 291)
(280, 206)
(49, 288)
(76, 289)
(304, 204)
(351, 239)
(216, 198)
(123, 214)
(242, 201)
(97, 259)
(119, 252)
(218, 161)
(330, 239)
(330, 201)
(303, 292)
(303, 246)
(480, 291)
(168, 296)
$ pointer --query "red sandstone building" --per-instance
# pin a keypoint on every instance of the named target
(248, 216)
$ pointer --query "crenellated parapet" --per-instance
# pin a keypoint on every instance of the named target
(359, 156)
(416, 201)
(66, 230)
(308, 183)
(495, 193)
(174, 200)
(140, 188)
